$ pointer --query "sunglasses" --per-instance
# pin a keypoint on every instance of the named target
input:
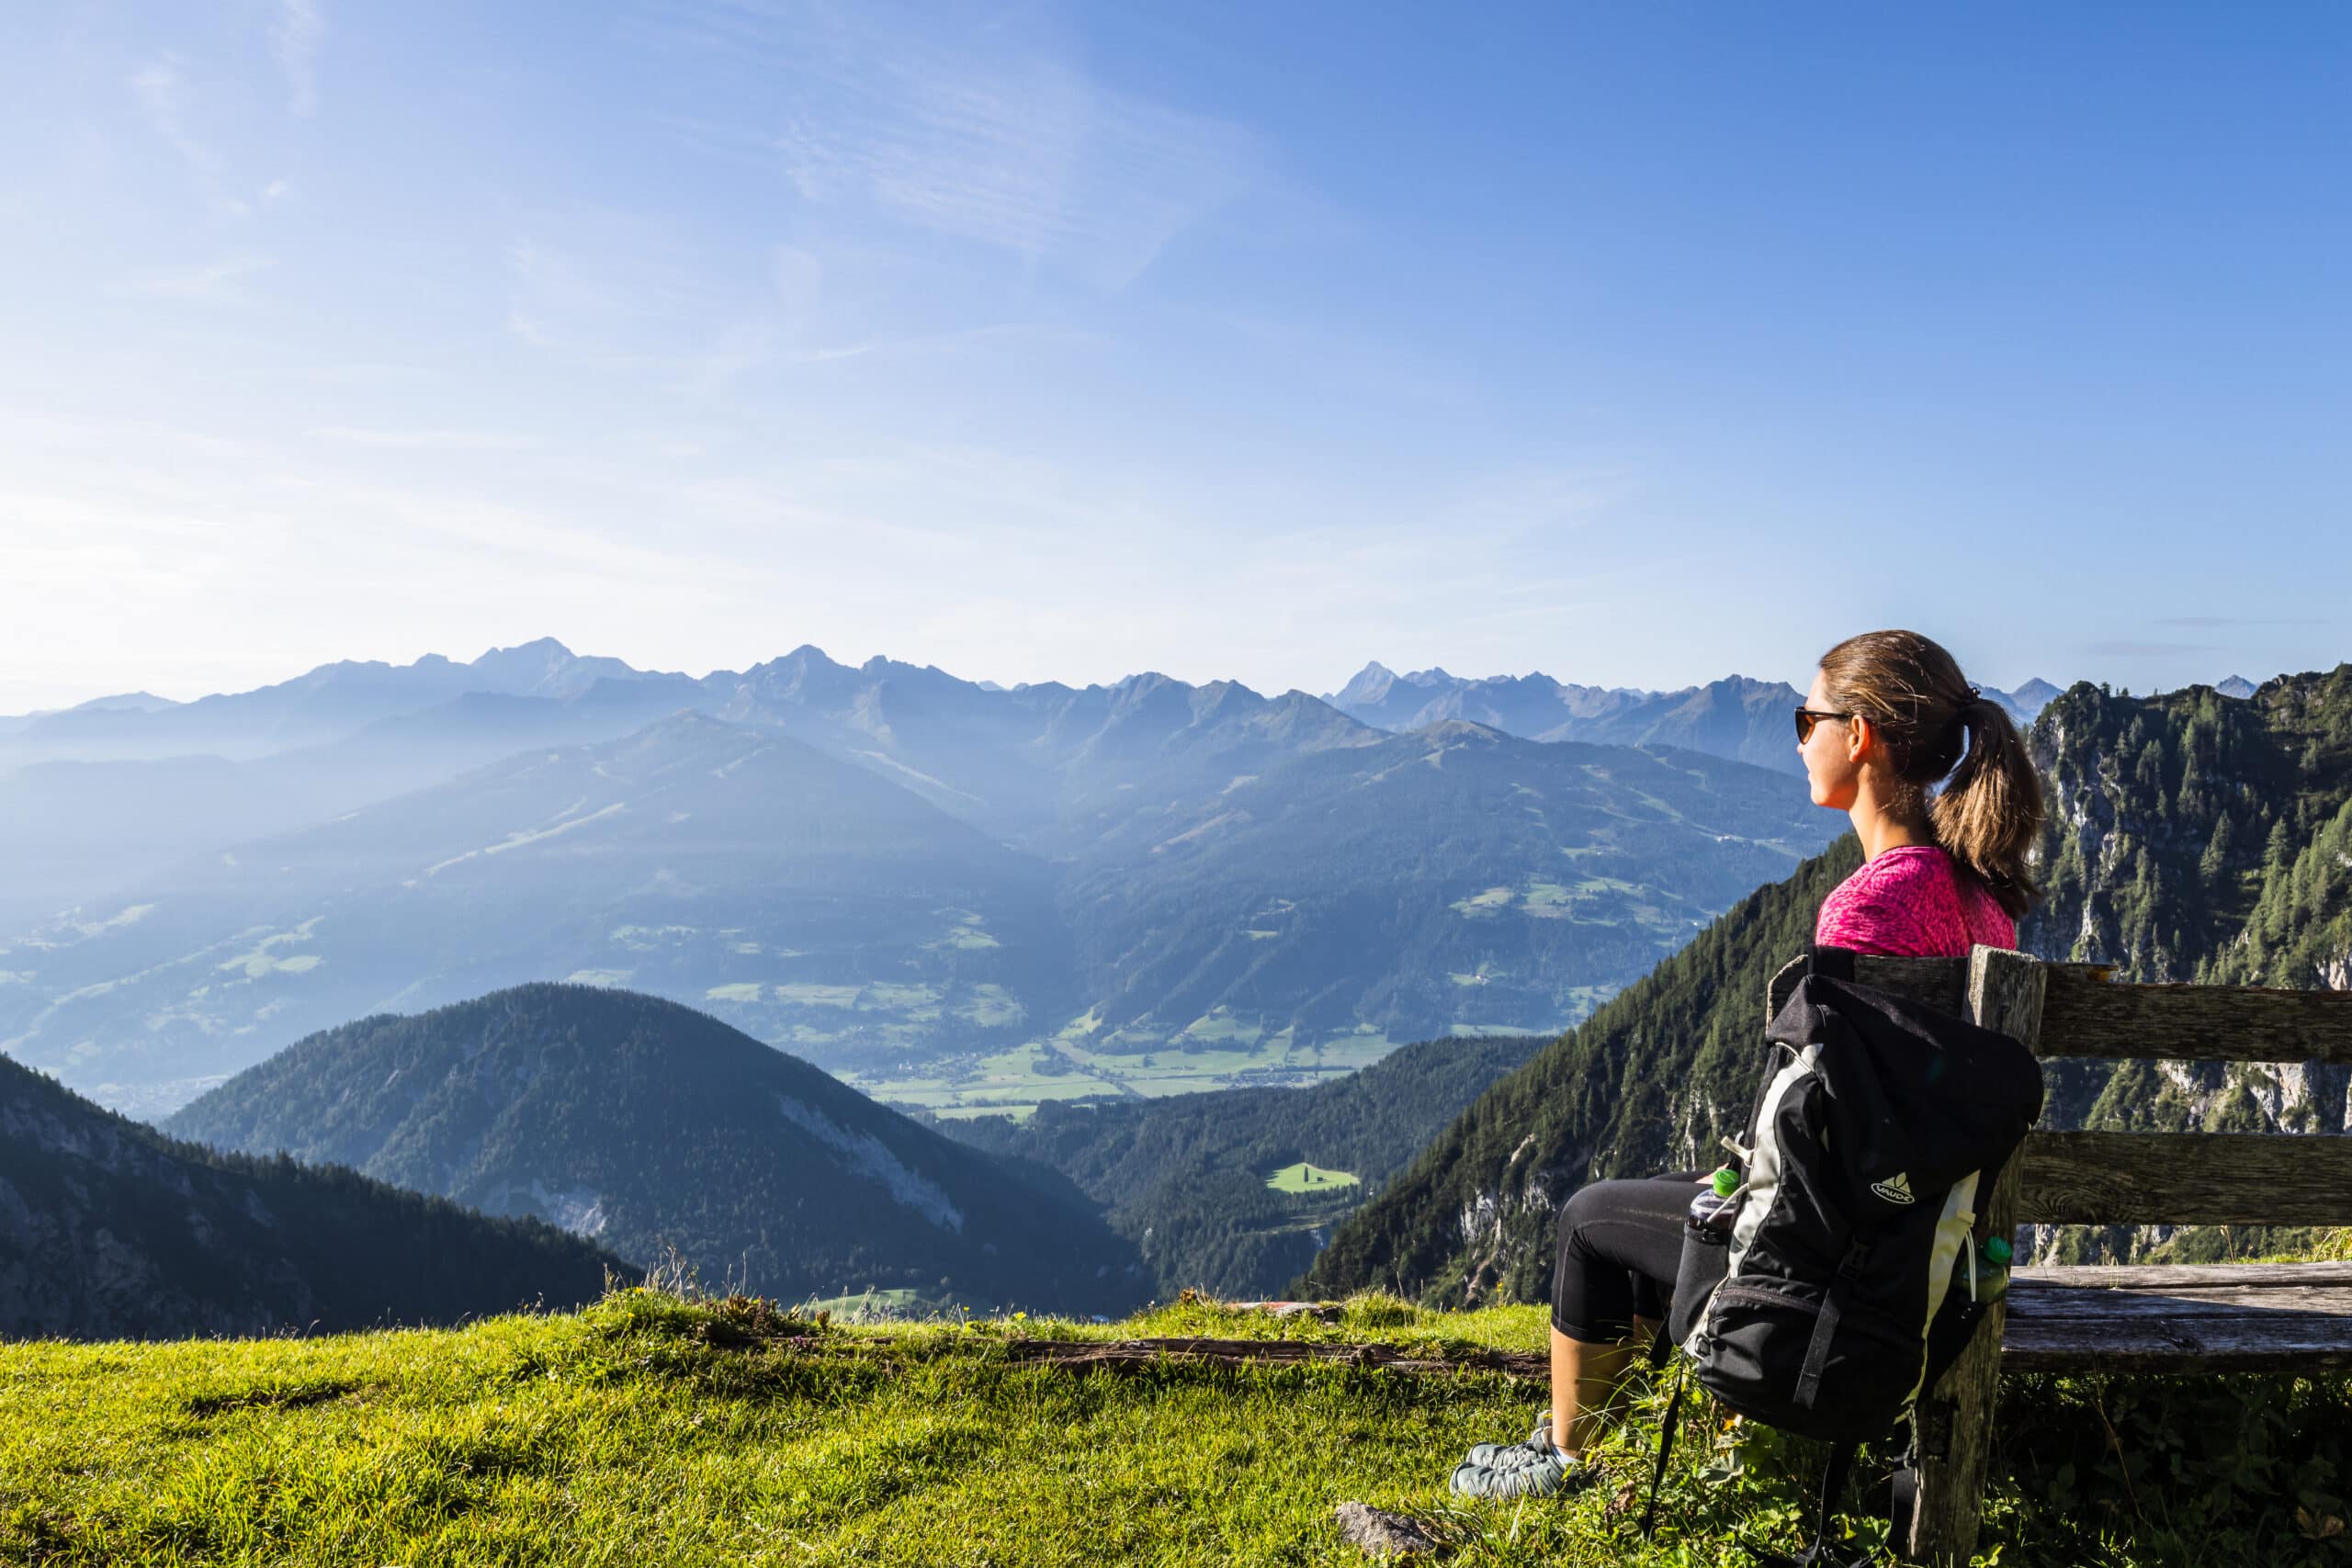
(1808, 717)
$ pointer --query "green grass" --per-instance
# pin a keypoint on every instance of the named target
(991, 1007)
(1220, 1027)
(648, 1431)
(652, 1429)
(1305, 1177)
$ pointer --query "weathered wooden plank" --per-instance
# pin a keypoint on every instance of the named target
(2180, 1278)
(2134, 1342)
(2004, 992)
(2185, 1178)
(2086, 1014)
(2193, 1318)
(2187, 1305)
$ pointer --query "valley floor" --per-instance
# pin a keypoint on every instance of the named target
(646, 1430)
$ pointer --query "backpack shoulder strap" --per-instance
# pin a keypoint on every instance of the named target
(1821, 1553)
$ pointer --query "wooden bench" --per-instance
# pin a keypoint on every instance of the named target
(2205, 1319)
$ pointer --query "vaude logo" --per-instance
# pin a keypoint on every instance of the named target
(1895, 1189)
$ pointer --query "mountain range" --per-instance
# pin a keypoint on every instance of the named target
(110, 1231)
(647, 1127)
(97, 797)
(1735, 718)
(968, 898)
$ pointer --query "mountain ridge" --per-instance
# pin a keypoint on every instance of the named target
(645, 1125)
(110, 1230)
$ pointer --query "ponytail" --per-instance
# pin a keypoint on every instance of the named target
(1989, 811)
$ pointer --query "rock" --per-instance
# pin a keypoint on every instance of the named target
(1383, 1534)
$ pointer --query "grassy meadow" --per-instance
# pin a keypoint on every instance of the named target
(1310, 1178)
(648, 1428)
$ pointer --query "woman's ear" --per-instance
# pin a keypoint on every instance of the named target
(1861, 738)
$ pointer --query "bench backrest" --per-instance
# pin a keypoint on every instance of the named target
(2075, 1009)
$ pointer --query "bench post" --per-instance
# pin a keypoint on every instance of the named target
(2004, 992)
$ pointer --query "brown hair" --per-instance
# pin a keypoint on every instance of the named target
(1989, 811)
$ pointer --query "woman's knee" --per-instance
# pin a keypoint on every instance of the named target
(1586, 1204)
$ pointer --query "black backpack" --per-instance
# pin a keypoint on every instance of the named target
(1846, 1284)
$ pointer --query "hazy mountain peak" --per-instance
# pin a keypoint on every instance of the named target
(544, 648)
(2237, 686)
(1221, 698)
(127, 701)
(1369, 686)
(805, 672)
(1737, 716)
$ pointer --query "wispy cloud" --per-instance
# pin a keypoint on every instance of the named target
(428, 440)
(219, 282)
(2129, 650)
(928, 343)
(608, 288)
(2208, 622)
(294, 38)
(162, 93)
(1013, 147)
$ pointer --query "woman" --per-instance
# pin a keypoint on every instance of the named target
(1889, 714)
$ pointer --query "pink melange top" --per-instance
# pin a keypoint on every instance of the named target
(1913, 902)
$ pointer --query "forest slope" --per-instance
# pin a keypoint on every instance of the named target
(650, 1127)
(109, 1231)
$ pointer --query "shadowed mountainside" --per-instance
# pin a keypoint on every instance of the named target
(110, 1231)
(647, 1125)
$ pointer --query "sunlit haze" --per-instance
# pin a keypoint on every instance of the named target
(1635, 344)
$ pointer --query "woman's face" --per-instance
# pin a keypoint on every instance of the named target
(1832, 763)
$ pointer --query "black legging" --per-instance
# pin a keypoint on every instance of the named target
(1620, 1246)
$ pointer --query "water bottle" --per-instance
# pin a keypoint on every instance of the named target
(1717, 1203)
(1992, 1268)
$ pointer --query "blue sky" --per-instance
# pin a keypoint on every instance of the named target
(1635, 344)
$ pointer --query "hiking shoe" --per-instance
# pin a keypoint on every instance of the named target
(1531, 1469)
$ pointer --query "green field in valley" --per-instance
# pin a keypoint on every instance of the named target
(1305, 1177)
(1215, 1051)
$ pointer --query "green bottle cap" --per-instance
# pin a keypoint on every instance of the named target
(1726, 1181)
(1997, 1249)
